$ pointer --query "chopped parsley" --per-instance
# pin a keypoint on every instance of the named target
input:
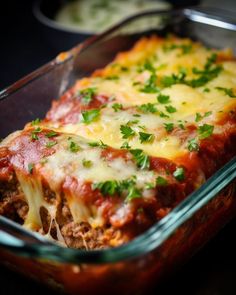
(50, 144)
(125, 145)
(150, 85)
(170, 109)
(146, 137)
(87, 163)
(205, 131)
(100, 144)
(163, 98)
(30, 167)
(90, 116)
(185, 48)
(141, 159)
(179, 174)
(227, 91)
(109, 187)
(51, 134)
(133, 193)
(148, 108)
(34, 133)
(193, 145)
(126, 131)
(117, 107)
(87, 95)
(199, 117)
(114, 77)
(125, 187)
(169, 126)
(161, 181)
(74, 147)
(35, 122)
(168, 81)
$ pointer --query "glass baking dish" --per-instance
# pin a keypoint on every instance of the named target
(140, 264)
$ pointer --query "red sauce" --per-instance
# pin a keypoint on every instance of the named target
(24, 150)
(68, 108)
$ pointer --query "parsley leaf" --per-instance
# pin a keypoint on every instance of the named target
(50, 144)
(227, 91)
(148, 108)
(87, 163)
(133, 193)
(35, 122)
(125, 145)
(146, 137)
(170, 109)
(109, 187)
(179, 174)
(199, 117)
(169, 126)
(74, 147)
(100, 144)
(163, 98)
(161, 181)
(205, 131)
(117, 107)
(193, 145)
(51, 134)
(90, 116)
(168, 81)
(30, 168)
(34, 133)
(87, 95)
(150, 85)
(126, 131)
(141, 159)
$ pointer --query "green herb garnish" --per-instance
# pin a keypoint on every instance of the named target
(163, 98)
(146, 137)
(126, 131)
(30, 167)
(169, 126)
(179, 174)
(141, 159)
(51, 134)
(193, 145)
(87, 163)
(148, 108)
(205, 131)
(90, 116)
(227, 91)
(87, 95)
(117, 107)
(34, 133)
(161, 181)
(74, 147)
(170, 109)
(100, 144)
(36, 122)
(50, 144)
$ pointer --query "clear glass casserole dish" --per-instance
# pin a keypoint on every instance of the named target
(136, 266)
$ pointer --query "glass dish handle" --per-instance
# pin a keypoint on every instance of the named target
(212, 16)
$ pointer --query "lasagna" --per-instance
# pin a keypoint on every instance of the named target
(122, 147)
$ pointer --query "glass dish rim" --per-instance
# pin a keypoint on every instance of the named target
(147, 241)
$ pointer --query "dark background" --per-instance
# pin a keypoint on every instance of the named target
(22, 49)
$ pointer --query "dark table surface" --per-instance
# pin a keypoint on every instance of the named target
(212, 271)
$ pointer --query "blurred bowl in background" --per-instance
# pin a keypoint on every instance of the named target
(65, 23)
(56, 35)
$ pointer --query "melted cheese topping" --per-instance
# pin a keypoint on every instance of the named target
(123, 81)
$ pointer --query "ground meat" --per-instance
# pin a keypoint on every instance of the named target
(12, 203)
(83, 236)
